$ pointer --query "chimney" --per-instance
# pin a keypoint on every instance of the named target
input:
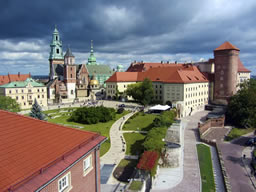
(162, 62)
(18, 74)
(175, 62)
(168, 62)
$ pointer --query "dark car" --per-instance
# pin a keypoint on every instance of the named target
(121, 105)
(251, 141)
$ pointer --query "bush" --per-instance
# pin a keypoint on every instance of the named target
(92, 115)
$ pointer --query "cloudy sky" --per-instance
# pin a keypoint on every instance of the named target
(124, 31)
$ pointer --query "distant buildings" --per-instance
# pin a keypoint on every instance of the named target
(70, 81)
(40, 156)
(189, 86)
(24, 90)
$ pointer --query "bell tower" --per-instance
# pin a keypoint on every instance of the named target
(70, 74)
(56, 54)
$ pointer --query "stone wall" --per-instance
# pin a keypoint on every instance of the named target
(216, 122)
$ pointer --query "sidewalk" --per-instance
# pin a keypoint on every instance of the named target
(247, 164)
(117, 149)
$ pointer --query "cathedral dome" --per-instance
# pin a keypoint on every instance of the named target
(94, 82)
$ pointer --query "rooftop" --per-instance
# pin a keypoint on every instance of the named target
(20, 84)
(28, 146)
(227, 46)
(4, 79)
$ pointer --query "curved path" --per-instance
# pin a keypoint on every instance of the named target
(117, 149)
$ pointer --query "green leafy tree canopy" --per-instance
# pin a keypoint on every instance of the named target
(9, 104)
(242, 106)
(141, 92)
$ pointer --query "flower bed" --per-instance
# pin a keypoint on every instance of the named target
(148, 160)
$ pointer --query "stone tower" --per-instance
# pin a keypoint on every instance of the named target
(56, 54)
(70, 74)
(226, 59)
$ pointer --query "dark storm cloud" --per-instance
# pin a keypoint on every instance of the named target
(131, 29)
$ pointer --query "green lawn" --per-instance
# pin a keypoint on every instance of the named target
(206, 170)
(101, 128)
(140, 122)
(134, 143)
(237, 132)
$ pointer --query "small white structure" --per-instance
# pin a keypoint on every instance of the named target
(159, 108)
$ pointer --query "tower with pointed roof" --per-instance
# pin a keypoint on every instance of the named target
(56, 55)
(226, 58)
(92, 58)
(70, 74)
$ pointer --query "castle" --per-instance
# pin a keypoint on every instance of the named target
(69, 82)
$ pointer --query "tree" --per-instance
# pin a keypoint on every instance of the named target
(242, 106)
(9, 104)
(36, 111)
(142, 92)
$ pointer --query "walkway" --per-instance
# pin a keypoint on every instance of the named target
(191, 180)
(117, 149)
(232, 155)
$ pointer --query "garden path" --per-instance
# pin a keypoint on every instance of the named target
(117, 149)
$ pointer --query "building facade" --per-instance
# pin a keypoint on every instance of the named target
(48, 157)
(182, 85)
(25, 92)
(67, 81)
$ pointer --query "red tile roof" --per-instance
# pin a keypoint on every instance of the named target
(226, 46)
(4, 79)
(28, 145)
(171, 74)
(140, 67)
(241, 67)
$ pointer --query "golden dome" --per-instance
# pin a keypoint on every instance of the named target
(94, 82)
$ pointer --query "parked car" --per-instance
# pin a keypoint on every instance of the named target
(121, 105)
(251, 141)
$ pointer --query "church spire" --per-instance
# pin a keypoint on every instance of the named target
(92, 58)
(56, 46)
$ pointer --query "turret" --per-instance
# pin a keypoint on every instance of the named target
(92, 58)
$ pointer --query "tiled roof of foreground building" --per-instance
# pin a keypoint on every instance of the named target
(167, 74)
(29, 148)
(226, 46)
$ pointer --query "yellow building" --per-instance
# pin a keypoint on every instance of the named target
(182, 85)
(25, 92)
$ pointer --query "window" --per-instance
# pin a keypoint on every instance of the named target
(160, 86)
(38, 90)
(16, 91)
(22, 91)
(42, 90)
(38, 96)
(10, 91)
(63, 183)
(22, 97)
(17, 97)
(72, 92)
(70, 75)
(56, 38)
(87, 164)
(42, 96)
(29, 91)
(57, 51)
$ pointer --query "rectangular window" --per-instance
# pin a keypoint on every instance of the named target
(87, 164)
(22, 97)
(38, 96)
(16, 91)
(63, 183)
(42, 90)
(17, 97)
(42, 96)
(38, 90)
(10, 91)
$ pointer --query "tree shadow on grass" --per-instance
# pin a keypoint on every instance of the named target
(126, 172)
(148, 127)
(137, 148)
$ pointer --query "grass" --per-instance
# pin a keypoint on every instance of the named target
(140, 122)
(136, 185)
(206, 170)
(237, 132)
(101, 128)
(134, 143)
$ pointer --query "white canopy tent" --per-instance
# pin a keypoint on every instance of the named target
(159, 108)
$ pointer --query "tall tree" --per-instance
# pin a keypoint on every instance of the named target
(142, 91)
(9, 104)
(36, 111)
(242, 106)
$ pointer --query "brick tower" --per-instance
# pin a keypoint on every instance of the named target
(70, 74)
(226, 59)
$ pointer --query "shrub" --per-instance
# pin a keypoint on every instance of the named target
(92, 115)
(148, 160)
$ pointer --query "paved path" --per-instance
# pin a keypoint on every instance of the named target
(116, 153)
(191, 175)
(217, 170)
(232, 156)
